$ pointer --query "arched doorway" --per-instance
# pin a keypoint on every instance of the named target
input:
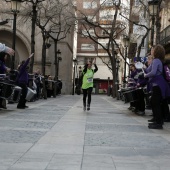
(21, 51)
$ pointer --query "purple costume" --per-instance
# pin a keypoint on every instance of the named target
(155, 74)
(23, 75)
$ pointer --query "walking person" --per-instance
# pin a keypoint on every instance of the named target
(158, 85)
(87, 85)
(22, 81)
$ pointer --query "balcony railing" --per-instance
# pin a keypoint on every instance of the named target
(165, 36)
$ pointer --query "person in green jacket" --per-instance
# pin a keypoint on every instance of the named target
(87, 85)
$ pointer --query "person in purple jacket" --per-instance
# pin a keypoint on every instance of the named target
(140, 103)
(158, 85)
(22, 81)
(3, 70)
(133, 80)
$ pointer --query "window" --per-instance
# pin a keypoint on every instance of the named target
(86, 59)
(89, 5)
(109, 2)
(103, 44)
(106, 14)
(91, 18)
(105, 33)
(136, 3)
(87, 47)
(85, 34)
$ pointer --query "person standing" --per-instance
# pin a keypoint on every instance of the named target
(22, 81)
(133, 79)
(3, 70)
(38, 83)
(87, 85)
(158, 85)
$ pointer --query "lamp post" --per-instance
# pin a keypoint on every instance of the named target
(15, 7)
(80, 71)
(58, 59)
(153, 10)
(126, 44)
(117, 76)
(45, 46)
(74, 67)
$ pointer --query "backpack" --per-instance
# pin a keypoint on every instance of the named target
(166, 73)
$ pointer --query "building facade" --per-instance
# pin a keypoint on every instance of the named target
(101, 12)
(23, 46)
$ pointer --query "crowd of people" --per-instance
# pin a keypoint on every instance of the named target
(152, 80)
(157, 88)
(23, 80)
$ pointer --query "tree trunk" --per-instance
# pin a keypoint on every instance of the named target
(34, 17)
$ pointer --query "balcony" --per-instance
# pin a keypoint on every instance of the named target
(165, 36)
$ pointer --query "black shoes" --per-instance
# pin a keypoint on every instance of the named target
(88, 107)
(130, 108)
(4, 107)
(134, 110)
(155, 126)
(22, 107)
(84, 106)
(140, 113)
(18, 107)
(151, 120)
(167, 120)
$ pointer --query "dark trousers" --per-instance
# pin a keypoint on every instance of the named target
(165, 109)
(22, 100)
(156, 99)
(140, 103)
(87, 92)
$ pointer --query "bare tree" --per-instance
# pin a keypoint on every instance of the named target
(55, 18)
(108, 27)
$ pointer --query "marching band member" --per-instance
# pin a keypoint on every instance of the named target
(158, 85)
(22, 82)
(3, 70)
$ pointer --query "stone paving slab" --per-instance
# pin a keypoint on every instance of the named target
(56, 134)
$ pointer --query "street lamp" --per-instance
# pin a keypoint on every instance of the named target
(74, 67)
(15, 7)
(58, 59)
(117, 76)
(45, 46)
(80, 71)
(126, 44)
(153, 10)
(47, 41)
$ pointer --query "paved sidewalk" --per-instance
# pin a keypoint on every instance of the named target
(56, 134)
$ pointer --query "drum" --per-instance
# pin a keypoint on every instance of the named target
(30, 94)
(16, 93)
(123, 92)
(6, 90)
(13, 75)
(50, 84)
(132, 95)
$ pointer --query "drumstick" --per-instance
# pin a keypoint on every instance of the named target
(143, 71)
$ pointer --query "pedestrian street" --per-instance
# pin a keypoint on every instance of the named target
(56, 134)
